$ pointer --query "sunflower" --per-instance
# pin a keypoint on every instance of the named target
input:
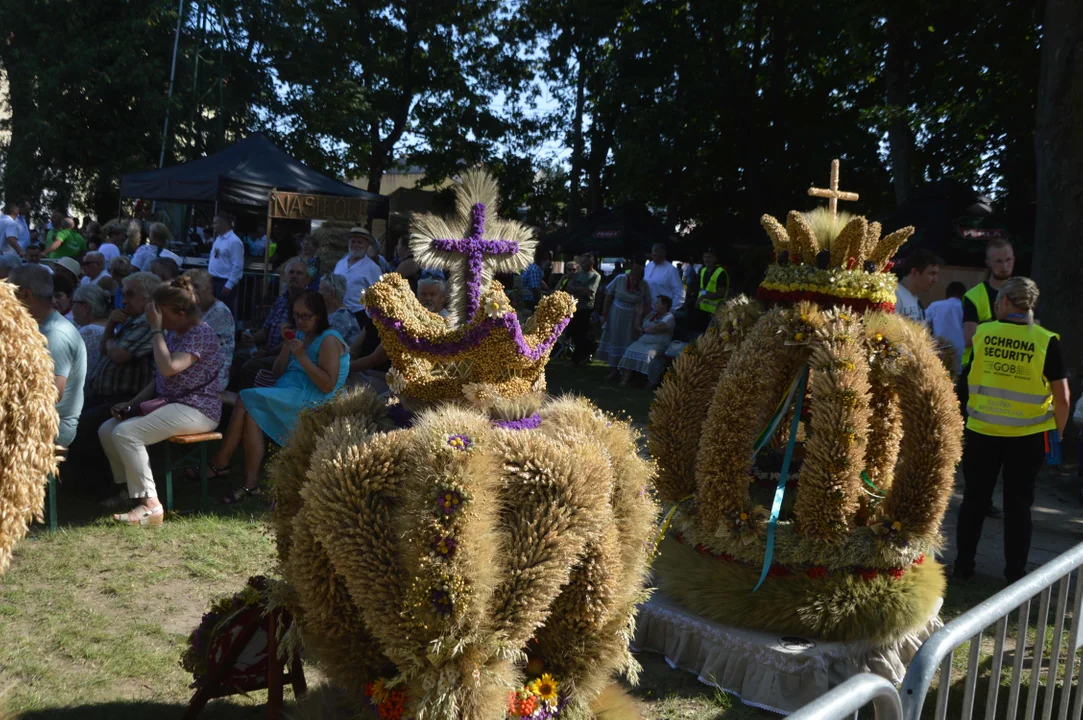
(545, 688)
(378, 691)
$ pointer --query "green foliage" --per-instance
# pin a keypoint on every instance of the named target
(88, 84)
(709, 113)
(360, 78)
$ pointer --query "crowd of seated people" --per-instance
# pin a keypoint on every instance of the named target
(144, 352)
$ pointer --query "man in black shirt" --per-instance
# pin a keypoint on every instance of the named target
(978, 308)
(978, 302)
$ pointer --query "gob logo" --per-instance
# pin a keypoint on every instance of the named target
(1004, 367)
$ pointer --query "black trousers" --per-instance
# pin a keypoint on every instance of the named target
(245, 377)
(985, 457)
(582, 334)
(229, 300)
(86, 454)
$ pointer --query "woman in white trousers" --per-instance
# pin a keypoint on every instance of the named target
(183, 398)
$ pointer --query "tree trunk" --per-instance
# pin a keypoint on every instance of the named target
(601, 140)
(377, 166)
(897, 91)
(21, 178)
(577, 138)
(1058, 145)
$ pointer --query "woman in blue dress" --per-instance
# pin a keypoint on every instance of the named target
(310, 368)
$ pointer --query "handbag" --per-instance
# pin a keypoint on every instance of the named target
(149, 406)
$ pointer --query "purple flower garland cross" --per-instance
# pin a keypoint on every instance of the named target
(469, 257)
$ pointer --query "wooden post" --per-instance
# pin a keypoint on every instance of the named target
(274, 669)
(267, 247)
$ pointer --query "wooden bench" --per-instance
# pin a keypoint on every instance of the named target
(194, 444)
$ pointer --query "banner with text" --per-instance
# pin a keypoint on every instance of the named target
(301, 206)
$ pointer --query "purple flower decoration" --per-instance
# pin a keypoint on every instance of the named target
(441, 602)
(474, 336)
(474, 249)
(459, 442)
(528, 423)
(445, 546)
(399, 415)
(449, 501)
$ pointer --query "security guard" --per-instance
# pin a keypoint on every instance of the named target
(709, 296)
(978, 301)
(1018, 392)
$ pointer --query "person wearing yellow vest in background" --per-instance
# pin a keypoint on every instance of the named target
(1018, 392)
(978, 308)
(570, 268)
(711, 286)
(978, 301)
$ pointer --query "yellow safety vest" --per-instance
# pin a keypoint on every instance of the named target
(1009, 395)
(706, 286)
(980, 297)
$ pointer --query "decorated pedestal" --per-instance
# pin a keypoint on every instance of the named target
(807, 446)
(771, 671)
(474, 549)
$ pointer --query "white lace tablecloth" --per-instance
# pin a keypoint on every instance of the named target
(765, 670)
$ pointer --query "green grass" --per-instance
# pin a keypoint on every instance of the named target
(589, 381)
(95, 617)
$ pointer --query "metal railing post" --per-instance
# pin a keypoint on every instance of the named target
(849, 697)
(935, 654)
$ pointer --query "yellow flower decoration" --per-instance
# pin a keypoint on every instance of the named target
(545, 688)
(379, 691)
(896, 526)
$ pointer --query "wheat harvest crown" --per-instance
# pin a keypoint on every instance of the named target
(808, 444)
(830, 257)
(481, 352)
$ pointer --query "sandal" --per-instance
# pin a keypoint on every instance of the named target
(213, 472)
(114, 501)
(141, 516)
(240, 494)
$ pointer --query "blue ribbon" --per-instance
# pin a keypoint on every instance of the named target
(780, 412)
(797, 389)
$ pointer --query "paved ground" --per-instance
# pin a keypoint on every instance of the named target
(1058, 522)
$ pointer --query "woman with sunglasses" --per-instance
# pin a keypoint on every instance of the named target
(310, 368)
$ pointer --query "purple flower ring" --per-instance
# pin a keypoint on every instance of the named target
(528, 423)
(461, 443)
(444, 546)
(441, 602)
(449, 501)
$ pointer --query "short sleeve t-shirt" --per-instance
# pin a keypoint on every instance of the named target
(69, 361)
(221, 321)
(907, 304)
(197, 386)
(589, 280)
(345, 323)
(9, 227)
(72, 244)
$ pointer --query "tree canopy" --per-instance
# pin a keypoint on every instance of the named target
(708, 113)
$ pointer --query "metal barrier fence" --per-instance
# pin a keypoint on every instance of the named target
(846, 699)
(937, 651)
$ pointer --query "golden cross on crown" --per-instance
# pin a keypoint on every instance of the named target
(833, 194)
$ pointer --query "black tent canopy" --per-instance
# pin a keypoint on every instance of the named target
(242, 174)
